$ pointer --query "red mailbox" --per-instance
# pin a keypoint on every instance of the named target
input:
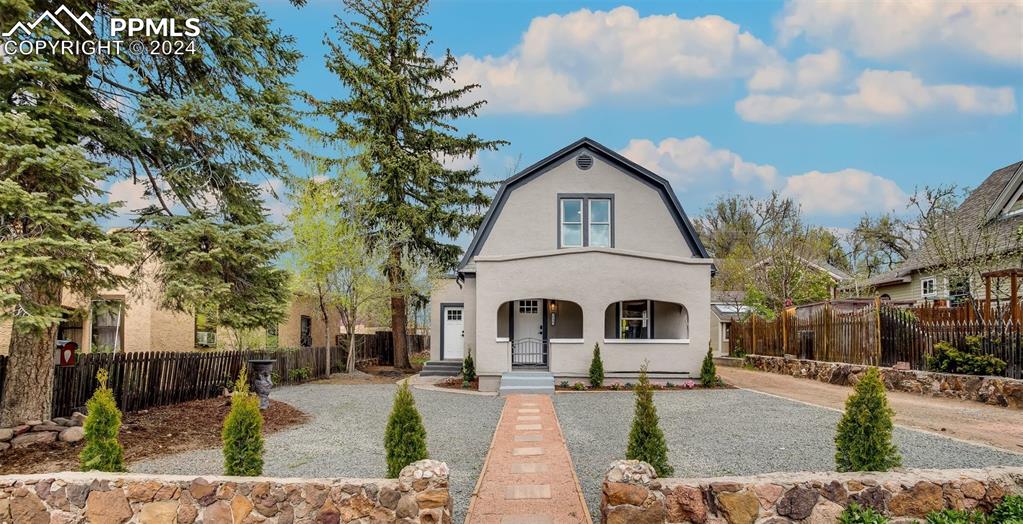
(68, 353)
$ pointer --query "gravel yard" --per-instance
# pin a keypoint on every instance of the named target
(735, 432)
(345, 436)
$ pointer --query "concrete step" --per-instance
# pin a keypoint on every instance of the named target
(541, 382)
(441, 368)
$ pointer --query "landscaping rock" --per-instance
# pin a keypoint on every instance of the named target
(4, 446)
(62, 421)
(6, 434)
(77, 418)
(825, 512)
(618, 493)
(29, 509)
(164, 512)
(686, 504)
(72, 434)
(219, 511)
(739, 508)
(48, 427)
(918, 501)
(108, 507)
(27, 439)
(797, 503)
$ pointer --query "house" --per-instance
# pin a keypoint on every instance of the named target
(986, 227)
(582, 248)
(131, 320)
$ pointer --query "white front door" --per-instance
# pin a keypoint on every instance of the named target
(528, 319)
(454, 333)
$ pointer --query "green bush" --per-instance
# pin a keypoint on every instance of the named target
(468, 368)
(646, 440)
(967, 361)
(102, 451)
(856, 514)
(242, 434)
(1009, 511)
(863, 440)
(405, 437)
(957, 516)
(579, 386)
(709, 371)
(596, 368)
(299, 374)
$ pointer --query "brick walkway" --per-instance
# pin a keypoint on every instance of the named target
(528, 477)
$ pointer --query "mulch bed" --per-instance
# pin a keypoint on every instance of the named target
(152, 433)
(656, 387)
(456, 383)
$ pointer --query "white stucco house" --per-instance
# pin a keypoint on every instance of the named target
(582, 247)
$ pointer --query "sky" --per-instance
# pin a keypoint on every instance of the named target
(846, 107)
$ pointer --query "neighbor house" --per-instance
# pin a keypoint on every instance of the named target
(985, 227)
(582, 248)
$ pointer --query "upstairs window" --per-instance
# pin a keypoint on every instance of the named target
(585, 221)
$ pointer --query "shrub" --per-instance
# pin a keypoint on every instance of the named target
(405, 437)
(856, 514)
(579, 386)
(243, 432)
(596, 368)
(102, 451)
(646, 440)
(564, 384)
(299, 374)
(468, 368)
(967, 361)
(669, 385)
(863, 440)
(709, 372)
(1009, 511)
(957, 516)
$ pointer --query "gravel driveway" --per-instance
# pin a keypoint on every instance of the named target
(346, 434)
(735, 432)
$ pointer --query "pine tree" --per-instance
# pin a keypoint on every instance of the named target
(646, 440)
(468, 368)
(243, 432)
(863, 440)
(405, 437)
(398, 112)
(709, 371)
(102, 451)
(596, 368)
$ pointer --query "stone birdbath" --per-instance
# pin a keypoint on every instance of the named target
(261, 381)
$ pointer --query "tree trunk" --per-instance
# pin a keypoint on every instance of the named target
(326, 326)
(350, 365)
(28, 387)
(398, 312)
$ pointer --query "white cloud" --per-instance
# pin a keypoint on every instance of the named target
(275, 200)
(684, 161)
(131, 195)
(878, 96)
(845, 191)
(891, 28)
(565, 62)
(458, 163)
(812, 71)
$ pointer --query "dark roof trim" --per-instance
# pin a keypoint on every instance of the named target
(631, 168)
(1007, 193)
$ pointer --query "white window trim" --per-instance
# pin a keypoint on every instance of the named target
(1016, 196)
(566, 341)
(923, 291)
(646, 341)
(502, 339)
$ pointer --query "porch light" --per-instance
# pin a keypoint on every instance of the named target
(553, 306)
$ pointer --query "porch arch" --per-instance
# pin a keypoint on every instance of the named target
(561, 319)
(643, 318)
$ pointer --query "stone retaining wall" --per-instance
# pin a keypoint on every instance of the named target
(633, 494)
(39, 431)
(419, 494)
(997, 391)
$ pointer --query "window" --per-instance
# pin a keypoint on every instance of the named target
(726, 331)
(635, 315)
(529, 306)
(586, 221)
(306, 331)
(108, 326)
(928, 287)
(958, 290)
(454, 314)
(206, 328)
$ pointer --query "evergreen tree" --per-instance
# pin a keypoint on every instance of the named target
(596, 368)
(864, 437)
(243, 432)
(102, 451)
(405, 437)
(397, 113)
(196, 131)
(709, 371)
(468, 368)
(646, 440)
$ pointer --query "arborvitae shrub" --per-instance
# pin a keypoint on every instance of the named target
(646, 440)
(709, 371)
(596, 368)
(243, 432)
(856, 514)
(468, 368)
(102, 451)
(405, 437)
(863, 441)
(1009, 511)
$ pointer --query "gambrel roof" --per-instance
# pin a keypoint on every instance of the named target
(598, 150)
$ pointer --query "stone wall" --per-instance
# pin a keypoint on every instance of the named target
(997, 391)
(38, 431)
(419, 494)
(633, 494)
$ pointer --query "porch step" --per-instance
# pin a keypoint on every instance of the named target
(441, 368)
(541, 382)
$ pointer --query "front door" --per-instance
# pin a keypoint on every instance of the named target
(528, 346)
(454, 333)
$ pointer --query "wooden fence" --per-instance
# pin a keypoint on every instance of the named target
(876, 334)
(156, 378)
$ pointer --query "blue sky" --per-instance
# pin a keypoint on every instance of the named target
(845, 107)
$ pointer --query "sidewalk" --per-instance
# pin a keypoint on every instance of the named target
(964, 420)
(528, 477)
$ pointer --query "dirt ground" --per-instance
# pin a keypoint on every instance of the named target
(965, 420)
(152, 433)
(369, 375)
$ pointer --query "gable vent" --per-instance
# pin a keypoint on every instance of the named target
(584, 162)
